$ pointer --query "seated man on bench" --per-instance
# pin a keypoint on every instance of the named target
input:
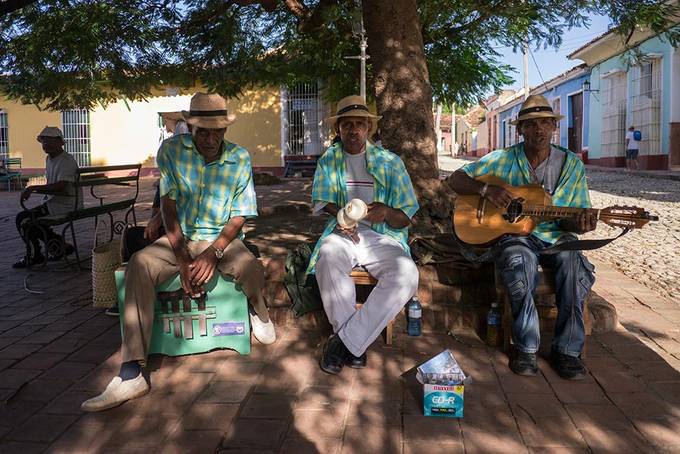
(61, 170)
(353, 168)
(206, 193)
(562, 175)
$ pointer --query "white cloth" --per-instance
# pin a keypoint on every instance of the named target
(548, 172)
(181, 128)
(358, 181)
(62, 167)
(632, 143)
(387, 261)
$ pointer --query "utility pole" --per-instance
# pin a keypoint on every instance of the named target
(438, 127)
(525, 51)
(358, 30)
(454, 149)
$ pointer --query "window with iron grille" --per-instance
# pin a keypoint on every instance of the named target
(646, 105)
(302, 114)
(76, 126)
(556, 109)
(614, 114)
(4, 135)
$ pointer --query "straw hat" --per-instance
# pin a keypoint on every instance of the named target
(208, 110)
(51, 131)
(353, 106)
(535, 106)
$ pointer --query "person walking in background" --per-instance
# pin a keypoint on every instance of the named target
(633, 139)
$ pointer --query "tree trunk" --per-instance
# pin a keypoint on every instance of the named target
(404, 99)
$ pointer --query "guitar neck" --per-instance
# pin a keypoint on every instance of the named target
(626, 217)
(555, 212)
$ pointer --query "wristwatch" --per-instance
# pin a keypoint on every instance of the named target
(219, 253)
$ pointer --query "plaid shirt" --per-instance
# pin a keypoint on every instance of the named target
(207, 195)
(511, 165)
(392, 186)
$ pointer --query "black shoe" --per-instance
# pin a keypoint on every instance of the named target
(68, 250)
(334, 356)
(524, 364)
(567, 367)
(112, 311)
(26, 262)
(356, 362)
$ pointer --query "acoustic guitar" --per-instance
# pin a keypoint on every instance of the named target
(477, 221)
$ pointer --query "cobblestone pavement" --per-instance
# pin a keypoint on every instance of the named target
(56, 350)
(650, 255)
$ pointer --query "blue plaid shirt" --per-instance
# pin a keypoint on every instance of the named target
(207, 195)
(511, 165)
(392, 187)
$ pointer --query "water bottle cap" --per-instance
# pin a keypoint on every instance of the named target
(494, 304)
(415, 298)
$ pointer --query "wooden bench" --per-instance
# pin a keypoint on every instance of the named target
(546, 313)
(362, 277)
(12, 171)
(305, 167)
(101, 188)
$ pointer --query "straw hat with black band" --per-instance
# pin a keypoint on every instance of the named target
(353, 106)
(535, 106)
(209, 111)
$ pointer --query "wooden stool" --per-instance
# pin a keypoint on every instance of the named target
(362, 277)
(547, 313)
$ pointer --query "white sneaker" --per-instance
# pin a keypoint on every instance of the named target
(117, 392)
(263, 332)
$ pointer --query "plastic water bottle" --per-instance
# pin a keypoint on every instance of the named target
(493, 325)
(414, 312)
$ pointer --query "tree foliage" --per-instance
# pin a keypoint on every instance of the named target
(66, 53)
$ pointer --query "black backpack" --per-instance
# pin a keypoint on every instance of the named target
(302, 288)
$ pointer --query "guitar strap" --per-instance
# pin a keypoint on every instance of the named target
(582, 245)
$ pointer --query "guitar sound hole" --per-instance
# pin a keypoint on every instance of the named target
(514, 211)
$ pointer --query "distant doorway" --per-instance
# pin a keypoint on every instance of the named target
(301, 119)
(575, 132)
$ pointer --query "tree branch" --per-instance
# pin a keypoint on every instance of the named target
(268, 5)
(484, 13)
(8, 6)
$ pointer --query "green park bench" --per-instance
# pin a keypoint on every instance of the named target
(107, 201)
(10, 170)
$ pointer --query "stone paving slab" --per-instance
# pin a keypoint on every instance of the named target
(56, 350)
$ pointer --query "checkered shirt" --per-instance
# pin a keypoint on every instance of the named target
(392, 186)
(511, 165)
(207, 195)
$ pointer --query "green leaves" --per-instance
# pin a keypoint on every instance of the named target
(61, 54)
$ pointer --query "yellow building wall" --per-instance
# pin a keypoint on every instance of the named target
(124, 133)
(121, 135)
(24, 123)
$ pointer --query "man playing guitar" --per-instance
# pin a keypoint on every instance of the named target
(562, 175)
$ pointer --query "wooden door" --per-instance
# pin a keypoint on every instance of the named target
(576, 123)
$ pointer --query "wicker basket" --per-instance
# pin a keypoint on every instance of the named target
(105, 260)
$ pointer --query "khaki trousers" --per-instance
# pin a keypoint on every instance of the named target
(157, 263)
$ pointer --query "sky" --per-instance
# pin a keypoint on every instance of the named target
(551, 62)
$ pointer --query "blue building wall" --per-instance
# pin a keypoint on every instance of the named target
(653, 45)
(564, 90)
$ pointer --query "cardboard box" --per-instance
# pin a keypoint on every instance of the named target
(442, 400)
(443, 386)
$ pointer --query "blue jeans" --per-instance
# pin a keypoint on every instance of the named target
(517, 259)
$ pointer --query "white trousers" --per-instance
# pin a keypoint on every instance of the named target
(387, 261)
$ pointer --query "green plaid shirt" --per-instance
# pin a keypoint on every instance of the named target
(207, 195)
(511, 165)
(391, 184)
